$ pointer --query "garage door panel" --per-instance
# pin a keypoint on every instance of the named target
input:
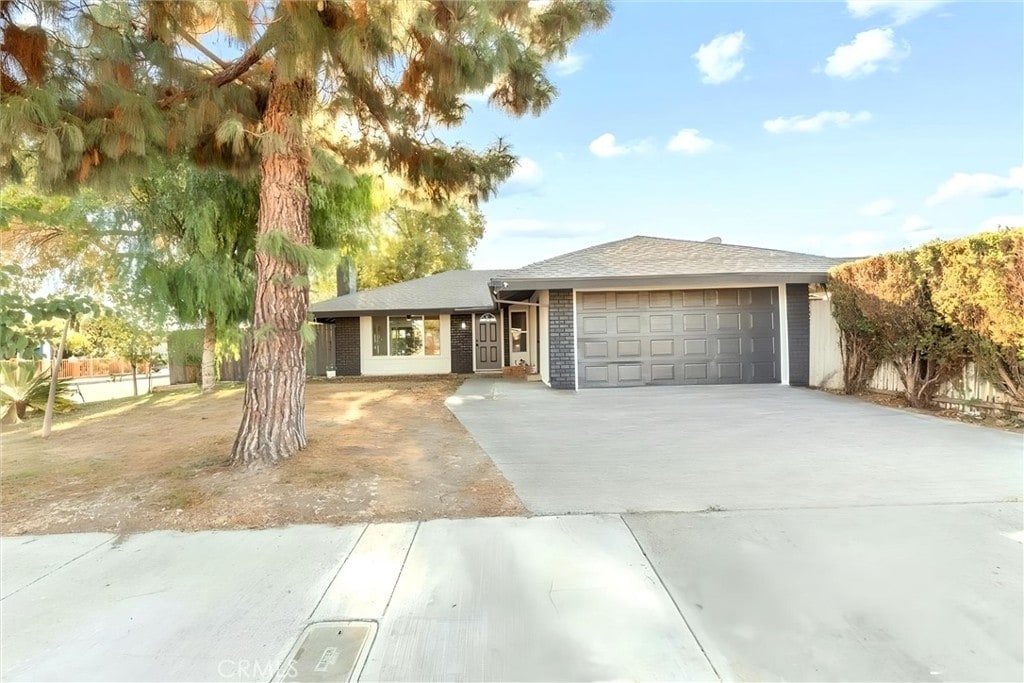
(626, 348)
(594, 325)
(695, 321)
(627, 300)
(678, 337)
(661, 323)
(663, 372)
(729, 346)
(662, 347)
(729, 371)
(695, 347)
(660, 299)
(598, 349)
(629, 374)
(727, 321)
(627, 324)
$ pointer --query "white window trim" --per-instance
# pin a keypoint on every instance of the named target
(408, 318)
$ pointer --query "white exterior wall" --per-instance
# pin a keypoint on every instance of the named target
(827, 366)
(404, 365)
(542, 331)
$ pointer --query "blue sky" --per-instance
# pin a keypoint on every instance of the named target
(839, 128)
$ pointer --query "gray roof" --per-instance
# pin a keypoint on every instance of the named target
(451, 291)
(641, 256)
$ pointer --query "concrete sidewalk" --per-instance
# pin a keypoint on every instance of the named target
(909, 593)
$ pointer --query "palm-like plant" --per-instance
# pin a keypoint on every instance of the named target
(22, 386)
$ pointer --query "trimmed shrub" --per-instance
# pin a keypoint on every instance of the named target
(899, 323)
(931, 310)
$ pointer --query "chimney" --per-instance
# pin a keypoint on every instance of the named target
(346, 276)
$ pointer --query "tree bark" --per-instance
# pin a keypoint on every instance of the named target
(51, 399)
(273, 421)
(209, 377)
(135, 380)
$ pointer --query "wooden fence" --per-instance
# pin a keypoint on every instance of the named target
(319, 355)
(78, 368)
(966, 393)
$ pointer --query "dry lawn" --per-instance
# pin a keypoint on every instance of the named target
(378, 451)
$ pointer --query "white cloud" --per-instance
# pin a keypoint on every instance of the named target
(813, 124)
(899, 11)
(721, 60)
(606, 146)
(689, 141)
(1003, 222)
(879, 207)
(527, 172)
(915, 223)
(868, 51)
(569, 64)
(978, 185)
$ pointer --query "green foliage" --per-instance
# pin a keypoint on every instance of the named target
(185, 347)
(23, 317)
(932, 309)
(117, 337)
(421, 243)
(977, 284)
(23, 387)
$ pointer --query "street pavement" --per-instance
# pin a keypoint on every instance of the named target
(816, 538)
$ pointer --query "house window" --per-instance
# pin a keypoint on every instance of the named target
(517, 328)
(406, 335)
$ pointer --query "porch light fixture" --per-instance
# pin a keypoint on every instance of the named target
(462, 325)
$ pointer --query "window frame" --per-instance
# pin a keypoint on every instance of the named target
(423, 319)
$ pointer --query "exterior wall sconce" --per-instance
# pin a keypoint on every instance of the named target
(462, 325)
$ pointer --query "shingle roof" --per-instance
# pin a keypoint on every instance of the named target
(449, 291)
(657, 256)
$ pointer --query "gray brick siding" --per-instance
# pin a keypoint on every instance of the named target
(462, 344)
(561, 342)
(346, 347)
(798, 326)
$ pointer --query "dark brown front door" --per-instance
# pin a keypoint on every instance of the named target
(488, 344)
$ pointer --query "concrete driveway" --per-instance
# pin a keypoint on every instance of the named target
(659, 449)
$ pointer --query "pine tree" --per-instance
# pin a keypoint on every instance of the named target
(96, 92)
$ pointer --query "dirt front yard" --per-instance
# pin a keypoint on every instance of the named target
(378, 451)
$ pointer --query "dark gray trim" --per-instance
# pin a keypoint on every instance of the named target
(561, 339)
(328, 316)
(679, 281)
(798, 329)
(462, 344)
(346, 347)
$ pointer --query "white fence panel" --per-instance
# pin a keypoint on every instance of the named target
(827, 367)
(826, 358)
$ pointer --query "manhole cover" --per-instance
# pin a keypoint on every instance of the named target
(329, 651)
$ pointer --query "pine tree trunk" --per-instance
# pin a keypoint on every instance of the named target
(209, 378)
(273, 421)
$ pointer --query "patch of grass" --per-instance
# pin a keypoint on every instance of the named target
(183, 498)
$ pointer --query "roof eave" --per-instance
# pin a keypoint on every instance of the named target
(696, 280)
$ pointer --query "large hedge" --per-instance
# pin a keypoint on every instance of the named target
(931, 310)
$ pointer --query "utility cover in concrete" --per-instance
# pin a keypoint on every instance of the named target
(329, 651)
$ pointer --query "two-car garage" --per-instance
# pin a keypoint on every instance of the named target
(698, 336)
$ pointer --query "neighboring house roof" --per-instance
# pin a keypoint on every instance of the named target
(655, 258)
(449, 292)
